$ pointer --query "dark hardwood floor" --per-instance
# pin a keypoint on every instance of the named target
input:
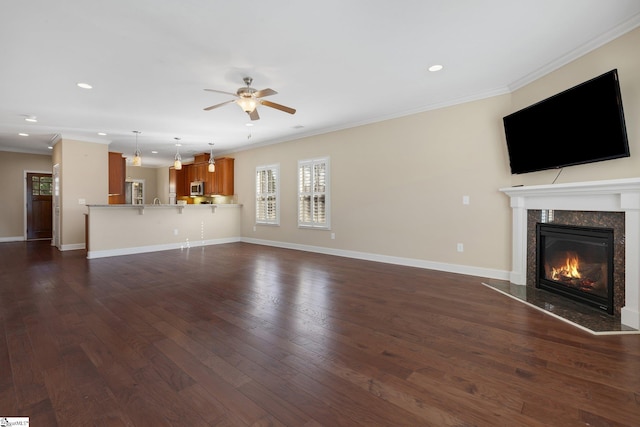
(245, 335)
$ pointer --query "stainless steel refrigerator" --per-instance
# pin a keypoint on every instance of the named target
(134, 192)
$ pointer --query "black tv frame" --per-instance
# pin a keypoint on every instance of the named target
(569, 128)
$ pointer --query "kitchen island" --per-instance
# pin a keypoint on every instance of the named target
(128, 229)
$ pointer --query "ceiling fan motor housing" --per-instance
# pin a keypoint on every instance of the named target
(246, 91)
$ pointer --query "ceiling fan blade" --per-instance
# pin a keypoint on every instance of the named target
(254, 115)
(221, 91)
(219, 105)
(279, 107)
(265, 92)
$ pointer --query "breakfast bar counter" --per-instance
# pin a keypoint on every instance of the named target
(128, 229)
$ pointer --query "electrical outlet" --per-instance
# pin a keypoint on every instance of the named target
(254, 228)
(465, 200)
(82, 201)
(175, 231)
(460, 247)
(333, 236)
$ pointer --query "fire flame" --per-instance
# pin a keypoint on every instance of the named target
(569, 269)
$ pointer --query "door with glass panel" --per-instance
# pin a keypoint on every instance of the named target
(39, 211)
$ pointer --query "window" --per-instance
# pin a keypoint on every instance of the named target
(41, 185)
(267, 197)
(313, 193)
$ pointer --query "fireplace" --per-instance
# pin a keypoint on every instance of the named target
(576, 262)
(613, 196)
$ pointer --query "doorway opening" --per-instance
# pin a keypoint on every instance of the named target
(39, 214)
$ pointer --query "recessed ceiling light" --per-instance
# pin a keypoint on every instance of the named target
(23, 134)
(249, 125)
(436, 67)
(31, 119)
(84, 85)
(50, 147)
(102, 134)
(154, 152)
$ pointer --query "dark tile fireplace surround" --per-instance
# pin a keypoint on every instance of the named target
(558, 305)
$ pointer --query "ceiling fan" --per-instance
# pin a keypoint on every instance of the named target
(248, 99)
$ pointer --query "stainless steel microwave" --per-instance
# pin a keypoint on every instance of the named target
(197, 188)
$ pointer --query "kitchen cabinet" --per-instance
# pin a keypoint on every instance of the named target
(117, 172)
(178, 182)
(218, 183)
(223, 177)
(199, 171)
(172, 180)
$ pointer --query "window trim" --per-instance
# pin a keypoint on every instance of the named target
(276, 168)
(327, 194)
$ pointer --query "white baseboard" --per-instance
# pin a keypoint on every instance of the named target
(409, 262)
(630, 317)
(158, 248)
(72, 247)
(12, 239)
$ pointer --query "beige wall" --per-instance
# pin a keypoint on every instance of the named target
(162, 184)
(150, 176)
(84, 180)
(12, 192)
(397, 185)
(156, 182)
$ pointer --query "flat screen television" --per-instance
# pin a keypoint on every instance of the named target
(583, 124)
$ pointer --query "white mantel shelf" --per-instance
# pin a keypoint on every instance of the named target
(619, 195)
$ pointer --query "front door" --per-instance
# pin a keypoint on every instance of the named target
(39, 212)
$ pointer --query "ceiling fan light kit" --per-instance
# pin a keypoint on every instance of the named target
(248, 104)
(248, 99)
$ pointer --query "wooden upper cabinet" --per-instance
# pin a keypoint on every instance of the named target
(209, 181)
(172, 180)
(117, 172)
(219, 183)
(189, 173)
(178, 183)
(199, 172)
(224, 177)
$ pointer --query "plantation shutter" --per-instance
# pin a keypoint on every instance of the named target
(313, 186)
(267, 204)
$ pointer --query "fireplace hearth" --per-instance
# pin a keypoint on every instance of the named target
(576, 262)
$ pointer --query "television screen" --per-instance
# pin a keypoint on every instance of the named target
(583, 124)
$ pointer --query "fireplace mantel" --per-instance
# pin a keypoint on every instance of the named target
(620, 195)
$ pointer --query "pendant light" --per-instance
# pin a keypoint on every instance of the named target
(212, 163)
(137, 160)
(178, 163)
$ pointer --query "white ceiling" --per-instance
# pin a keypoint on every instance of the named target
(339, 63)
